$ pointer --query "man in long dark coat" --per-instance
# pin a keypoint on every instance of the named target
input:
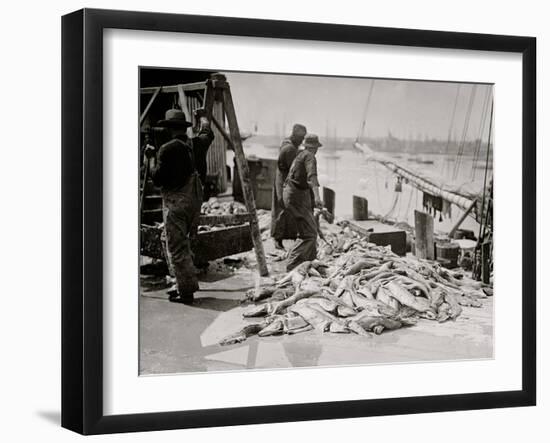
(301, 195)
(180, 166)
(281, 226)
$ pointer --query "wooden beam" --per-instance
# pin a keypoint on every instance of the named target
(148, 107)
(185, 108)
(224, 219)
(461, 220)
(218, 125)
(174, 88)
(224, 134)
(208, 101)
(144, 187)
(485, 257)
(245, 178)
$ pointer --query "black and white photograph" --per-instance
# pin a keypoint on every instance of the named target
(275, 221)
(299, 221)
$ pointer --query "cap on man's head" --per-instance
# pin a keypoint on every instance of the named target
(299, 129)
(312, 141)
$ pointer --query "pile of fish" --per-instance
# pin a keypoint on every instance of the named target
(214, 207)
(357, 287)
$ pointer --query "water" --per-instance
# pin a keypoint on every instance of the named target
(348, 173)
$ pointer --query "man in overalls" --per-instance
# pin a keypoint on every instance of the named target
(301, 195)
(179, 166)
(280, 226)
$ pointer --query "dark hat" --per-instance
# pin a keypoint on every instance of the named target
(174, 118)
(312, 141)
(299, 129)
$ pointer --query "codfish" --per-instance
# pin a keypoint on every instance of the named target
(359, 300)
(275, 327)
(373, 323)
(293, 322)
(317, 320)
(328, 305)
(357, 328)
(282, 305)
(258, 311)
(362, 264)
(337, 328)
(243, 334)
(411, 284)
(281, 294)
(384, 295)
(467, 300)
(296, 276)
(345, 285)
(455, 309)
(404, 297)
(347, 298)
(443, 312)
(260, 293)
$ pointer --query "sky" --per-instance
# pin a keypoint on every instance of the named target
(409, 109)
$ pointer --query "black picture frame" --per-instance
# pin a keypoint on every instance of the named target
(82, 218)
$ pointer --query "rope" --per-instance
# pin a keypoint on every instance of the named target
(464, 132)
(483, 215)
(481, 131)
(376, 169)
(397, 194)
(410, 201)
(362, 130)
(451, 124)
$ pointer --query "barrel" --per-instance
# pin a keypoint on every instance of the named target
(447, 254)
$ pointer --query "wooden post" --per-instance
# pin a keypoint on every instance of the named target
(185, 109)
(148, 107)
(424, 235)
(224, 134)
(360, 208)
(329, 199)
(208, 102)
(243, 172)
(485, 256)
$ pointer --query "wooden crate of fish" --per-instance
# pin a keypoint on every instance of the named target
(381, 234)
(219, 236)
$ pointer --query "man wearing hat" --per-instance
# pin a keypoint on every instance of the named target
(300, 195)
(281, 226)
(180, 165)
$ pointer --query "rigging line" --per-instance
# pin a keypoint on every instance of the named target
(465, 129)
(376, 169)
(452, 120)
(451, 124)
(481, 131)
(361, 132)
(398, 214)
(464, 132)
(485, 175)
(407, 212)
(481, 128)
(392, 207)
